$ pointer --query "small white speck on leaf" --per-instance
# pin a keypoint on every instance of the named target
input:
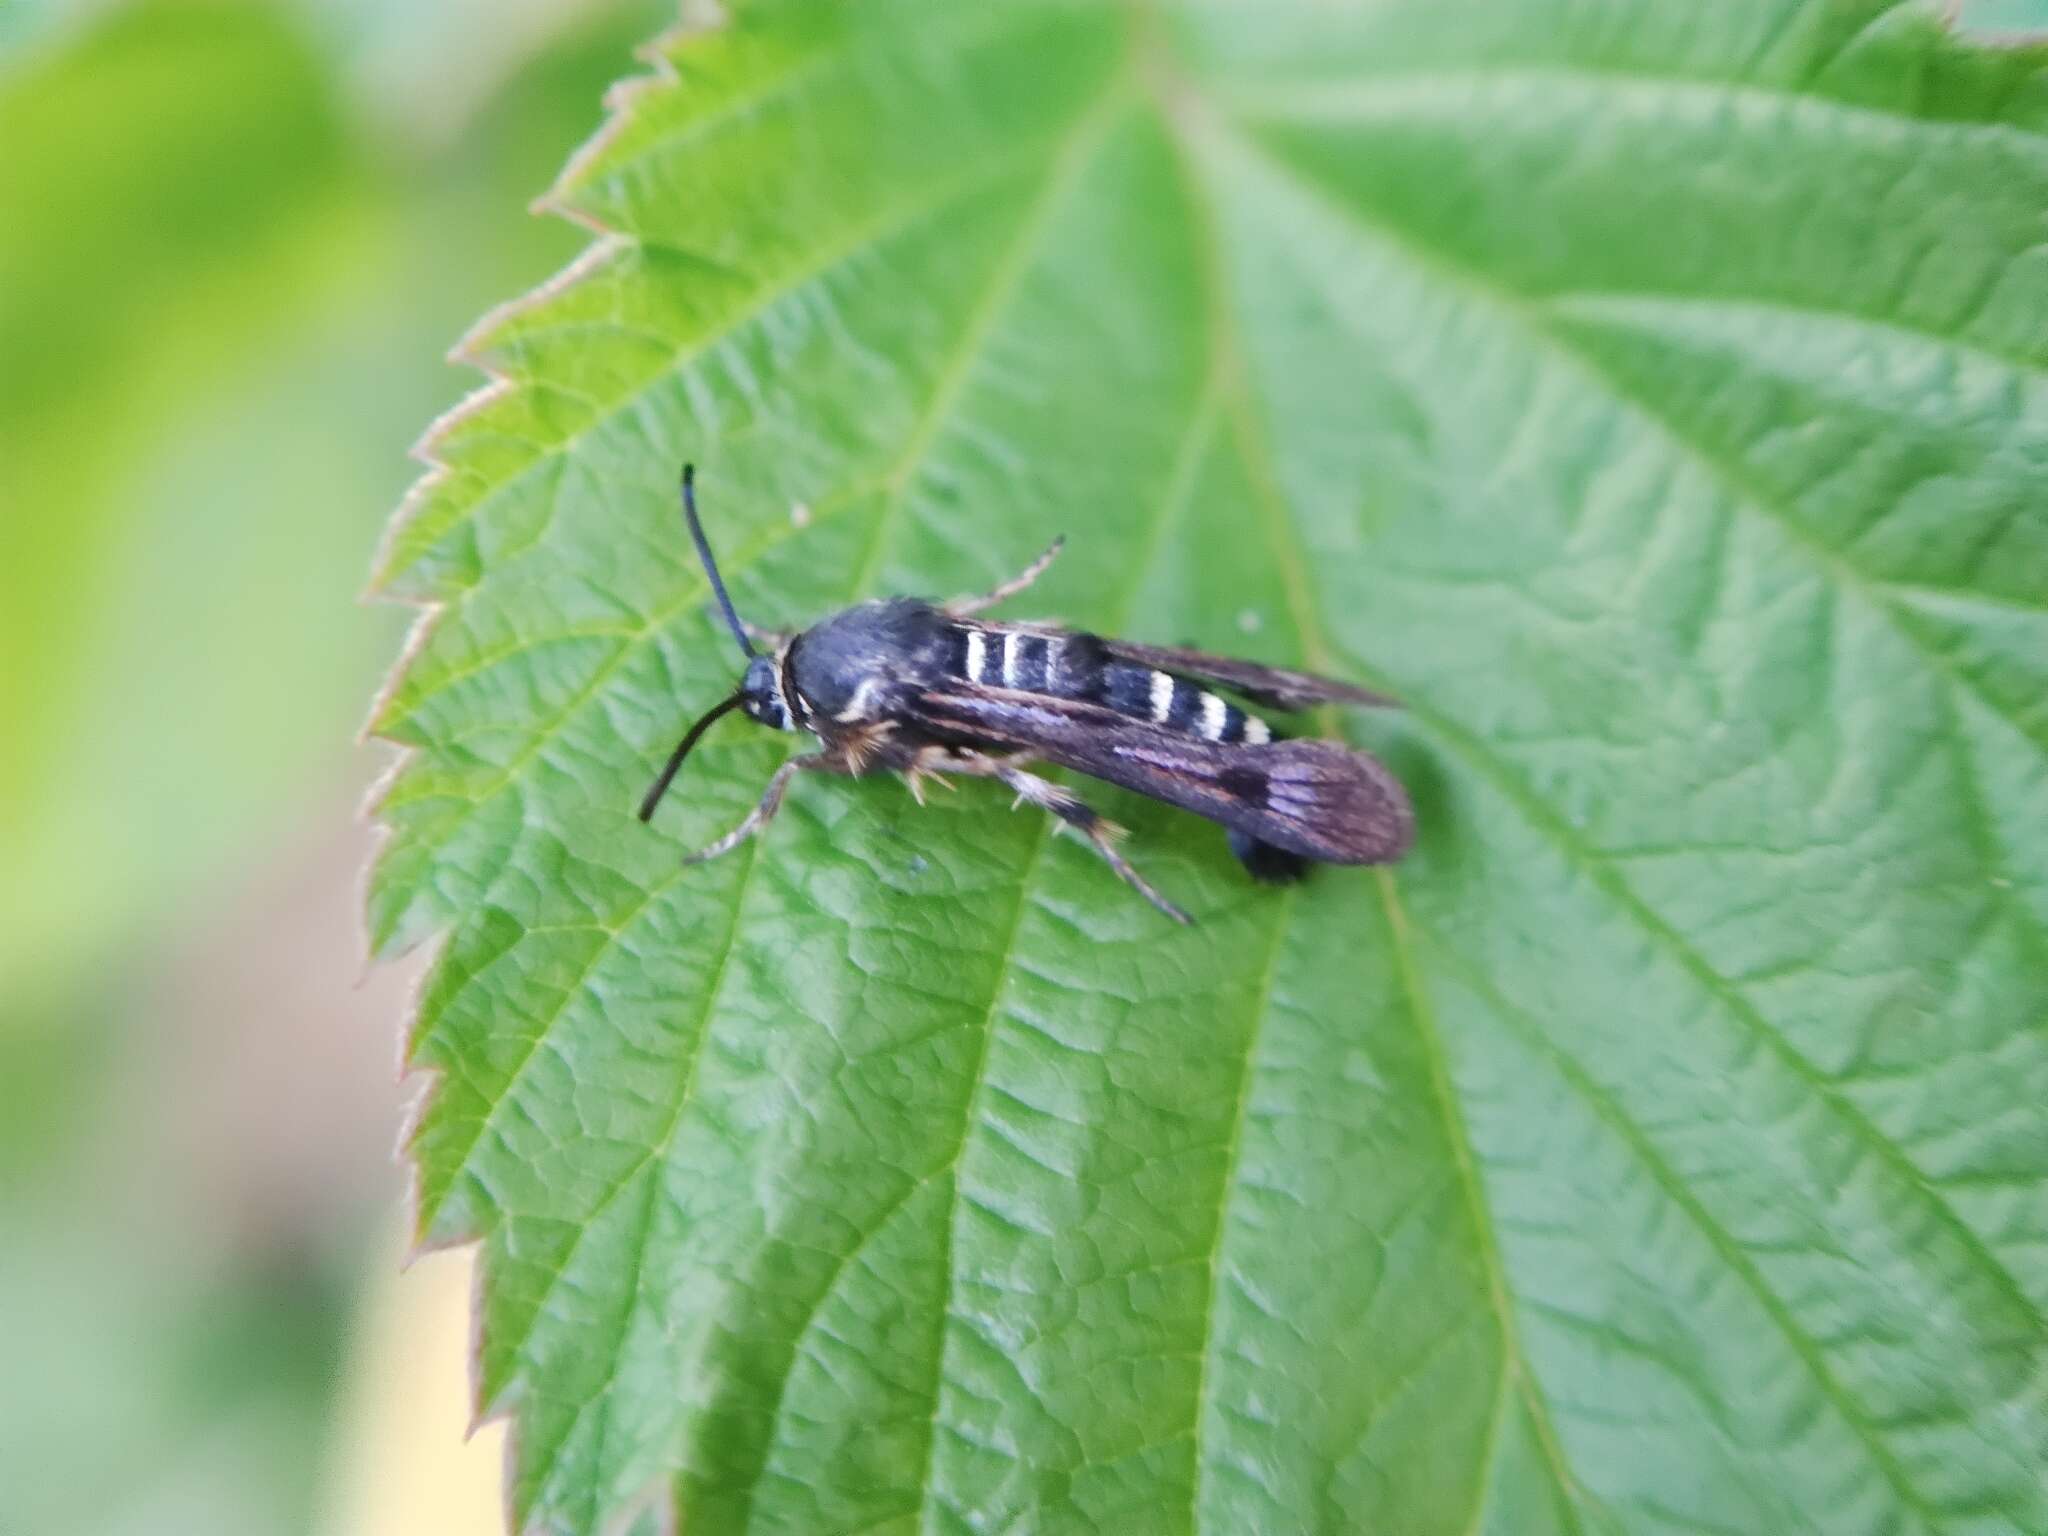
(800, 514)
(1249, 621)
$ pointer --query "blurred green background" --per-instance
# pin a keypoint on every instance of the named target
(236, 241)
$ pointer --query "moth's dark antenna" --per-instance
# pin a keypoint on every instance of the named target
(675, 759)
(732, 618)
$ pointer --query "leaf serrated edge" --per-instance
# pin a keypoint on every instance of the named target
(620, 100)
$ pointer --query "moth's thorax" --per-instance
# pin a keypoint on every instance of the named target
(858, 663)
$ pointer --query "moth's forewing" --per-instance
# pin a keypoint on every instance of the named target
(1318, 798)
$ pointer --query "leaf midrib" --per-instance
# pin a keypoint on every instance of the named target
(1230, 361)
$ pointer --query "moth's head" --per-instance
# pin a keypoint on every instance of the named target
(760, 689)
(761, 694)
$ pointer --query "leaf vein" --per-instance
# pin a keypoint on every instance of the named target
(1233, 1152)
(1583, 854)
(657, 1152)
(1723, 1244)
(889, 222)
(1514, 1360)
(1391, 92)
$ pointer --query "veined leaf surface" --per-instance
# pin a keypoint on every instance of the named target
(1650, 396)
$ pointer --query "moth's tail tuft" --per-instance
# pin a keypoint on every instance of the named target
(1264, 862)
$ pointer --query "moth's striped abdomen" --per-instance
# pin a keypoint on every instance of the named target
(1078, 666)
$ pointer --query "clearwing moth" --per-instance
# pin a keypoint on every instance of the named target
(930, 689)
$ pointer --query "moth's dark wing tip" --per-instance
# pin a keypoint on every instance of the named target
(1366, 698)
(1264, 862)
(1310, 691)
(1356, 812)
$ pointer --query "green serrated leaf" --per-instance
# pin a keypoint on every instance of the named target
(1651, 397)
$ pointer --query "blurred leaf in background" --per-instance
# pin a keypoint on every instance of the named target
(235, 242)
(2003, 18)
(184, 197)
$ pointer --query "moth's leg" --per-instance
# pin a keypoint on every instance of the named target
(828, 761)
(770, 640)
(967, 607)
(1090, 823)
(1265, 863)
(930, 765)
(853, 748)
(1030, 789)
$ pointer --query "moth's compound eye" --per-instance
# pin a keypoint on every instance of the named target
(762, 695)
